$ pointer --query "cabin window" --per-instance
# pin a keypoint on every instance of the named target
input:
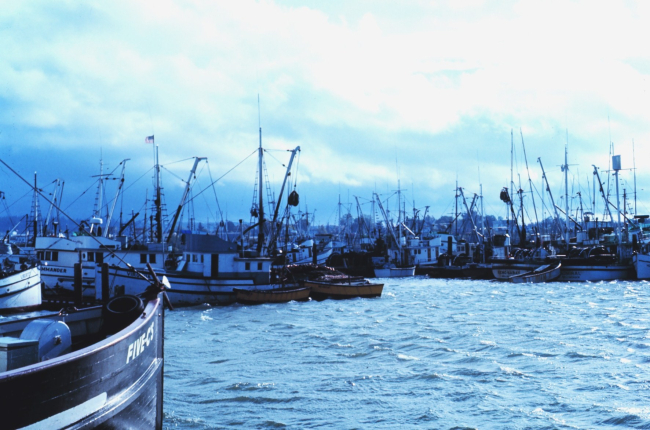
(259, 266)
(194, 259)
(248, 265)
(91, 256)
(99, 257)
(201, 258)
(55, 255)
(40, 255)
(152, 258)
(48, 255)
(83, 256)
(143, 258)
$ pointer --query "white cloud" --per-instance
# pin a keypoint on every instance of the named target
(438, 81)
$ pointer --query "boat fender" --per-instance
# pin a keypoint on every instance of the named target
(121, 311)
(54, 337)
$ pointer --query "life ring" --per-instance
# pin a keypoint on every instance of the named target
(121, 311)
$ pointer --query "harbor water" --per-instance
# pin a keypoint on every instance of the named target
(429, 353)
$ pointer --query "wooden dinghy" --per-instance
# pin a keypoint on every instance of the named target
(544, 273)
(277, 295)
(343, 290)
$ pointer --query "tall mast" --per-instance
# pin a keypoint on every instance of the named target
(566, 186)
(456, 212)
(197, 160)
(157, 201)
(260, 235)
(399, 213)
(634, 169)
(530, 181)
(548, 188)
(616, 165)
(35, 208)
(512, 149)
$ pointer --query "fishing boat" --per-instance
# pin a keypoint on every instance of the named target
(208, 271)
(279, 295)
(20, 284)
(545, 273)
(594, 264)
(309, 252)
(395, 264)
(642, 265)
(321, 290)
(393, 271)
(100, 366)
(58, 256)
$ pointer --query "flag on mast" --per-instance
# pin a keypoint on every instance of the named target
(148, 139)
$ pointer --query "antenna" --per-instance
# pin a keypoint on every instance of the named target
(259, 116)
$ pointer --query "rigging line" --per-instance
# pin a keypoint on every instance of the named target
(215, 191)
(205, 200)
(112, 252)
(179, 161)
(79, 196)
(173, 174)
(295, 181)
(271, 155)
(222, 176)
(134, 182)
(28, 193)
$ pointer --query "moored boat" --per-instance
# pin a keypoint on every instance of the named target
(208, 271)
(278, 295)
(100, 366)
(594, 264)
(392, 271)
(342, 290)
(20, 287)
(545, 273)
(641, 265)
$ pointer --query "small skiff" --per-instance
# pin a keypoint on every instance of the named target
(546, 273)
(343, 290)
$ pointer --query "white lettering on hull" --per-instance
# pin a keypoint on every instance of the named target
(136, 348)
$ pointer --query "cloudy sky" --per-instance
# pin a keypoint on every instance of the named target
(424, 92)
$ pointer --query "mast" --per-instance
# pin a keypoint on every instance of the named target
(35, 208)
(634, 169)
(197, 160)
(602, 192)
(548, 188)
(616, 165)
(399, 219)
(522, 237)
(469, 214)
(456, 212)
(157, 198)
(260, 234)
(275, 230)
(117, 194)
(566, 186)
(530, 181)
(389, 225)
(512, 149)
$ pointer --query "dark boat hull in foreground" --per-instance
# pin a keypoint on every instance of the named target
(113, 378)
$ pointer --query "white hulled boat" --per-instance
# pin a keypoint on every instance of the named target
(208, 271)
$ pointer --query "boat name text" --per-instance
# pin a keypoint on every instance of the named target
(137, 347)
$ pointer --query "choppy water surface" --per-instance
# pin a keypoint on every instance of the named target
(427, 354)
